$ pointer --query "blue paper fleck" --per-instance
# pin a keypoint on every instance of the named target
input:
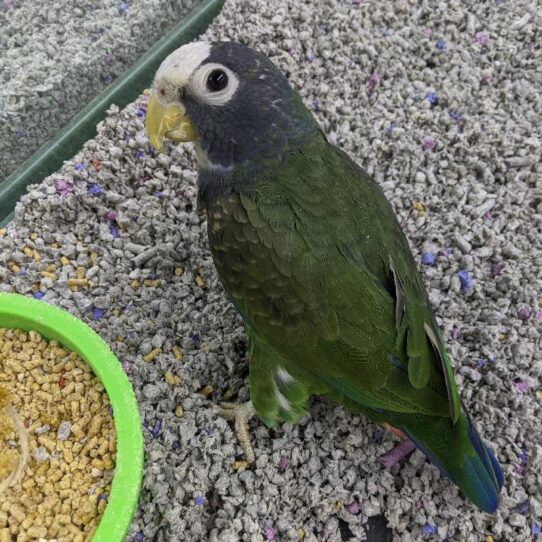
(97, 314)
(432, 98)
(155, 431)
(38, 294)
(441, 44)
(113, 230)
(94, 189)
(141, 112)
(523, 507)
(429, 529)
(198, 501)
(138, 537)
(535, 530)
(454, 115)
(139, 153)
(428, 258)
(465, 279)
(390, 128)
(79, 166)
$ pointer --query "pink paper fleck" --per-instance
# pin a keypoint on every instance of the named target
(522, 386)
(482, 38)
(428, 143)
(63, 188)
(353, 508)
(371, 83)
(398, 453)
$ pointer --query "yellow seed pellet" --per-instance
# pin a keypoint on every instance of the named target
(17, 513)
(77, 282)
(179, 271)
(419, 207)
(64, 260)
(37, 532)
(48, 275)
(28, 251)
(36, 255)
(153, 354)
(151, 283)
(172, 379)
(94, 426)
(103, 447)
(179, 411)
(237, 465)
(207, 390)
(3, 232)
(177, 352)
(134, 284)
(200, 281)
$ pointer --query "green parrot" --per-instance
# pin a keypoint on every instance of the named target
(313, 258)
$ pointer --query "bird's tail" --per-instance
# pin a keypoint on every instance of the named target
(460, 454)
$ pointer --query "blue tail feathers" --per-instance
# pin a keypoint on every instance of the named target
(480, 477)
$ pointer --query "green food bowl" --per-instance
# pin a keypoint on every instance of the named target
(17, 311)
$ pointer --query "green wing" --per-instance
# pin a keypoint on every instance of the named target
(315, 261)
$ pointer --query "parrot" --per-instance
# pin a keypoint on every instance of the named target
(312, 256)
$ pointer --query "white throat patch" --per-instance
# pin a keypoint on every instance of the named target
(178, 67)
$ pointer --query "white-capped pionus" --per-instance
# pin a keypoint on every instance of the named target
(313, 258)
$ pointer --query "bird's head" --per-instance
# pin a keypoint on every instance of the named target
(230, 100)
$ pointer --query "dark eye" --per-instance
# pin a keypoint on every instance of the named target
(217, 80)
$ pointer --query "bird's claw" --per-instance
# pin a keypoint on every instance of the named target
(241, 415)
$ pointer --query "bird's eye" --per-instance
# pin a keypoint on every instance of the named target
(217, 80)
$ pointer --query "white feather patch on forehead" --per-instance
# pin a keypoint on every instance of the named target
(178, 67)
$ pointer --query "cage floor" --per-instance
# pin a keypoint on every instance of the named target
(438, 102)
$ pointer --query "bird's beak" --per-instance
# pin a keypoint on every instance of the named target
(169, 121)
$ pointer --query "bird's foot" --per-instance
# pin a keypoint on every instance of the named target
(241, 415)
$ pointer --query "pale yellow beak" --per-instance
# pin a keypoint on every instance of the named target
(168, 121)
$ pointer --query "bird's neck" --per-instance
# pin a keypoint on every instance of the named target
(218, 181)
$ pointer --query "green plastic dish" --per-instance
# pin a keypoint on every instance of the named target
(17, 311)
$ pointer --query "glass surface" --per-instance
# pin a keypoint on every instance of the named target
(56, 56)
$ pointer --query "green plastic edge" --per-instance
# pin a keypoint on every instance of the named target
(69, 140)
(18, 311)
